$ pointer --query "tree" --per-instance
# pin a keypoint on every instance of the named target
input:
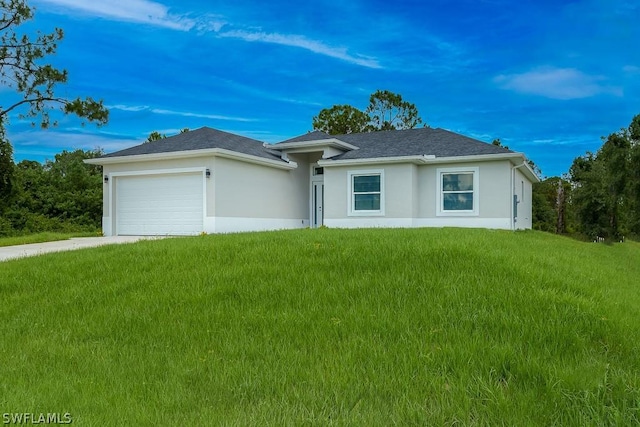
(551, 210)
(77, 187)
(21, 69)
(614, 154)
(7, 168)
(341, 119)
(605, 186)
(498, 143)
(543, 202)
(590, 195)
(64, 194)
(388, 111)
(155, 136)
(634, 129)
(633, 190)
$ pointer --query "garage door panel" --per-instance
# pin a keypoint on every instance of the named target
(159, 204)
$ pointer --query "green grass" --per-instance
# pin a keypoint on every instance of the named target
(42, 237)
(327, 327)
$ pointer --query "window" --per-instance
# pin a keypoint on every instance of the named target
(457, 191)
(318, 171)
(366, 194)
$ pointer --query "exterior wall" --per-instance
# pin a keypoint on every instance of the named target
(416, 191)
(397, 186)
(494, 203)
(241, 196)
(250, 197)
(522, 188)
(411, 197)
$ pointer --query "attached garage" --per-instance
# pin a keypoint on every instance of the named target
(159, 204)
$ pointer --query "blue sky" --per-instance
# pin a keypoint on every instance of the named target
(548, 78)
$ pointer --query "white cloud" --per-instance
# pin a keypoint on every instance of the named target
(302, 42)
(140, 11)
(557, 83)
(198, 115)
(138, 108)
(44, 141)
(133, 108)
(213, 23)
(543, 141)
(154, 13)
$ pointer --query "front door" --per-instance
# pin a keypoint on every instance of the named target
(318, 201)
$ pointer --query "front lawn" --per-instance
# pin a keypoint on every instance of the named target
(327, 327)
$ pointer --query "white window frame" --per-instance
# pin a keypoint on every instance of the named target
(440, 211)
(351, 201)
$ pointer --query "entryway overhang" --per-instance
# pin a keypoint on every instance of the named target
(329, 147)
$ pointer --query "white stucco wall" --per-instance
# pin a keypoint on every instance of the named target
(411, 196)
(494, 209)
(522, 187)
(398, 188)
(255, 197)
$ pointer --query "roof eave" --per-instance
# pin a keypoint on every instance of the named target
(423, 159)
(477, 158)
(215, 152)
(528, 171)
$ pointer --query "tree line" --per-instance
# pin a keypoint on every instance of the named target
(600, 194)
(63, 194)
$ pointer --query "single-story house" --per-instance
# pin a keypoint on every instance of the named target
(211, 181)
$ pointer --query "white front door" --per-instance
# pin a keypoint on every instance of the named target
(317, 196)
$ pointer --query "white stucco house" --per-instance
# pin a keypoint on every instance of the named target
(213, 181)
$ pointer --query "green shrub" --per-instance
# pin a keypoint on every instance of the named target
(6, 228)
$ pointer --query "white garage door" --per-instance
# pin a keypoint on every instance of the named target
(151, 205)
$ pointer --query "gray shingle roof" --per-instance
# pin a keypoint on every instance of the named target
(199, 139)
(395, 143)
(311, 136)
(414, 142)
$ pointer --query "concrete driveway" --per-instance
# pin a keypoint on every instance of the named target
(21, 251)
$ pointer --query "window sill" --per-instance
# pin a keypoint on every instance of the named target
(457, 213)
(365, 213)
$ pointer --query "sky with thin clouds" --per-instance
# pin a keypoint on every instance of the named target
(549, 78)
